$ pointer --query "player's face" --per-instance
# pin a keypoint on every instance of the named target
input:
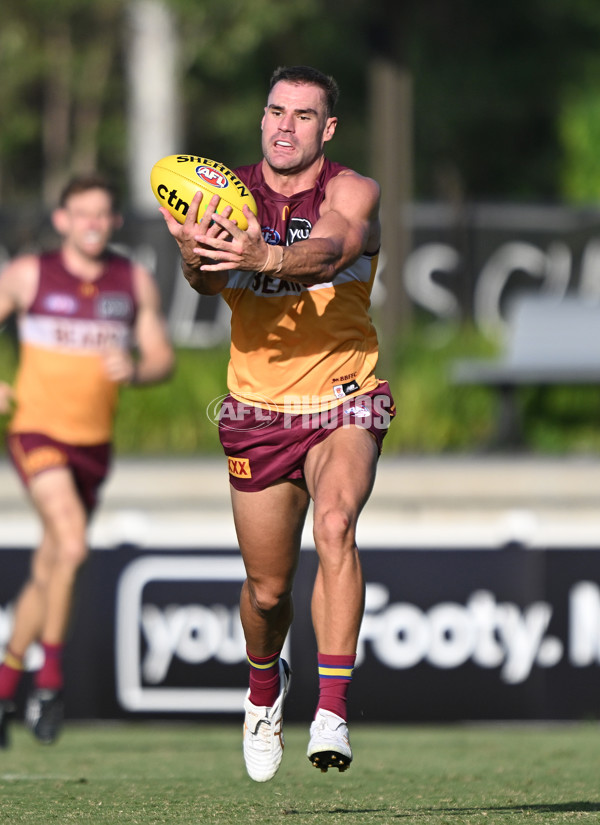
(87, 222)
(295, 126)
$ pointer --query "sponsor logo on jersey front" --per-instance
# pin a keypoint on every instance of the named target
(263, 284)
(298, 230)
(116, 305)
(74, 333)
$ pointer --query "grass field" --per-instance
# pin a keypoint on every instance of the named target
(194, 774)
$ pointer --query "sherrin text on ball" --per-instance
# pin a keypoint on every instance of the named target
(176, 178)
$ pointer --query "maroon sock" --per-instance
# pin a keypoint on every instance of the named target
(50, 675)
(11, 671)
(264, 679)
(335, 675)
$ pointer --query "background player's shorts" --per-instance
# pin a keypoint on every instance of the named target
(33, 453)
(264, 446)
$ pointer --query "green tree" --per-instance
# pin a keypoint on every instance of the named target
(579, 129)
(505, 93)
(57, 62)
(64, 83)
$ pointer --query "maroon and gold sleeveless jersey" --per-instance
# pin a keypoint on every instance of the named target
(299, 348)
(62, 389)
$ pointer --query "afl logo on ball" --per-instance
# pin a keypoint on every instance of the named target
(212, 177)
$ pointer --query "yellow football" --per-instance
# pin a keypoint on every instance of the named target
(176, 179)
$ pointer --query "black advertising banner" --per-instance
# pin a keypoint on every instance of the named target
(447, 635)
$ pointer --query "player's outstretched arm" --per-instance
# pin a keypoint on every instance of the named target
(348, 226)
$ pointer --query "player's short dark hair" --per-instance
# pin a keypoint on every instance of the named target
(83, 183)
(306, 74)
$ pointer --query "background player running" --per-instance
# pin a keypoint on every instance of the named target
(88, 321)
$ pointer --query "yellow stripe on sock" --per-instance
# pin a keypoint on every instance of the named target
(331, 672)
(258, 666)
(13, 661)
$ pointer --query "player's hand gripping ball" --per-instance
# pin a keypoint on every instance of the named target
(176, 179)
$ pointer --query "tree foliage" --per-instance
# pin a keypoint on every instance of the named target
(57, 62)
(506, 94)
(492, 83)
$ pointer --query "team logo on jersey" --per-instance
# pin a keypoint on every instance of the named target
(61, 304)
(298, 230)
(115, 306)
(87, 290)
(270, 235)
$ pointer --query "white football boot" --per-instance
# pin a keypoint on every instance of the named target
(263, 732)
(329, 745)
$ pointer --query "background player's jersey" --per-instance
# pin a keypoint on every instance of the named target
(302, 348)
(62, 389)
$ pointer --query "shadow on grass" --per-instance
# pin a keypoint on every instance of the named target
(296, 812)
(541, 808)
(562, 807)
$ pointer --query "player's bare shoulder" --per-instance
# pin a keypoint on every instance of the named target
(349, 188)
(357, 198)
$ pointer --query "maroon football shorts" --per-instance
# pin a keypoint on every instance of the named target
(263, 446)
(33, 453)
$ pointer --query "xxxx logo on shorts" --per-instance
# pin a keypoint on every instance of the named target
(239, 467)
